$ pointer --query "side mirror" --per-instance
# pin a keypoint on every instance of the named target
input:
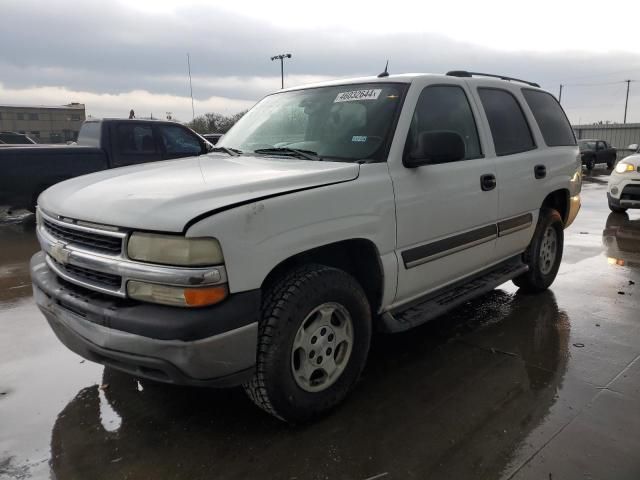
(436, 147)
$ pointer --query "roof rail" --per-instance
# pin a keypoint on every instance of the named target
(464, 73)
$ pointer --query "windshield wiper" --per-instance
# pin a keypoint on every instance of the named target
(234, 152)
(306, 154)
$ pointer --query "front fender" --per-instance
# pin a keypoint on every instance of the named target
(257, 237)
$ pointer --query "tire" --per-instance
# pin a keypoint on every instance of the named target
(301, 297)
(591, 163)
(611, 164)
(542, 259)
(616, 209)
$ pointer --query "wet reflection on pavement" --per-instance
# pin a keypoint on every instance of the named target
(507, 386)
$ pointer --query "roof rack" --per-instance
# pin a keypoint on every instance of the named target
(464, 73)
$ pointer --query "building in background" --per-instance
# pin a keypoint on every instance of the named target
(619, 135)
(43, 124)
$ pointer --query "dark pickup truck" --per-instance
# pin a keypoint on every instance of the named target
(27, 170)
(595, 151)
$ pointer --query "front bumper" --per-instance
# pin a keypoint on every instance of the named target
(212, 346)
(625, 194)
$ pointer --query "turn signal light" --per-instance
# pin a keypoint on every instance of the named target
(199, 297)
(176, 296)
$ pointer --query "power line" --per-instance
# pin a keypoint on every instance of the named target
(599, 84)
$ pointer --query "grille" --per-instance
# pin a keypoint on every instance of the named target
(630, 192)
(106, 280)
(93, 241)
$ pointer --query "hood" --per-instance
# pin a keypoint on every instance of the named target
(165, 195)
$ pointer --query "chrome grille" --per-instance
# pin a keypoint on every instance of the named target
(100, 278)
(81, 238)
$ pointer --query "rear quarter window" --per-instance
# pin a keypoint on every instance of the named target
(556, 129)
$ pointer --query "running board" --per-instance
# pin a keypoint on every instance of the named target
(441, 301)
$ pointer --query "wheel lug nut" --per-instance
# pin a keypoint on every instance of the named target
(314, 340)
(330, 337)
(312, 354)
(328, 351)
(323, 331)
(319, 360)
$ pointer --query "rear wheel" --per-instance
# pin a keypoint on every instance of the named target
(544, 253)
(591, 163)
(313, 343)
(611, 164)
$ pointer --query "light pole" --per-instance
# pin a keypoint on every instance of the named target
(281, 57)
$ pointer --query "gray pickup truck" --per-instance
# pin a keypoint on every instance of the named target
(27, 170)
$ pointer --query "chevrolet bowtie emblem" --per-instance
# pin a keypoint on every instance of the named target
(60, 253)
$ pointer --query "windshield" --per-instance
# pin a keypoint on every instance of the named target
(347, 122)
(586, 145)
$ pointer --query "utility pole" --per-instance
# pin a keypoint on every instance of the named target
(560, 96)
(281, 57)
(193, 111)
(626, 102)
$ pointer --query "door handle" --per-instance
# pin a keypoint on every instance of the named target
(540, 171)
(487, 182)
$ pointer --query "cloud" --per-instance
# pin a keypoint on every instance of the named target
(143, 102)
(135, 54)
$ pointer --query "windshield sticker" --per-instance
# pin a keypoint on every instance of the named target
(359, 138)
(357, 95)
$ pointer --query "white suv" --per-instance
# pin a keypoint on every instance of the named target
(327, 212)
(624, 184)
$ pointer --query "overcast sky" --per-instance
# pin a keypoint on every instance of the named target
(114, 56)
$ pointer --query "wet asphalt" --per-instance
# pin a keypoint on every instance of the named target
(508, 386)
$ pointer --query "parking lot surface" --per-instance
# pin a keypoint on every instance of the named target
(509, 386)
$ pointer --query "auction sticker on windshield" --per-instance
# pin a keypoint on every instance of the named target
(356, 95)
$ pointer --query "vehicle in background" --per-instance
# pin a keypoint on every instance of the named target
(213, 137)
(595, 151)
(14, 138)
(634, 147)
(330, 212)
(623, 190)
(102, 144)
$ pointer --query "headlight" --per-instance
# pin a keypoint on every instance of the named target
(174, 250)
(624, 167)
(176, 296)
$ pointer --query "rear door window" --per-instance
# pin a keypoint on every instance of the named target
(556, 129)
(136, 139)
(509, 127)
(135, 143)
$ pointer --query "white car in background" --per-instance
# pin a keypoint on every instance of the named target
(624, 184)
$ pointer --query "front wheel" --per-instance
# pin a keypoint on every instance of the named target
(313, 343)
(544, 253)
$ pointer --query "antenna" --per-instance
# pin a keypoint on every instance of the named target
(385, 73)
(193, 111)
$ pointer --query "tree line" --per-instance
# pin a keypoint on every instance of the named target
(215, 122)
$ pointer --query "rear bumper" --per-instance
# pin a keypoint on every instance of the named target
(85, 326)
(574, 208)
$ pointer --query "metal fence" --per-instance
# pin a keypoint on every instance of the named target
(617, 134)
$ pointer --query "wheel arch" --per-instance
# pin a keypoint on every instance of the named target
(558, 200)
(358, 257)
